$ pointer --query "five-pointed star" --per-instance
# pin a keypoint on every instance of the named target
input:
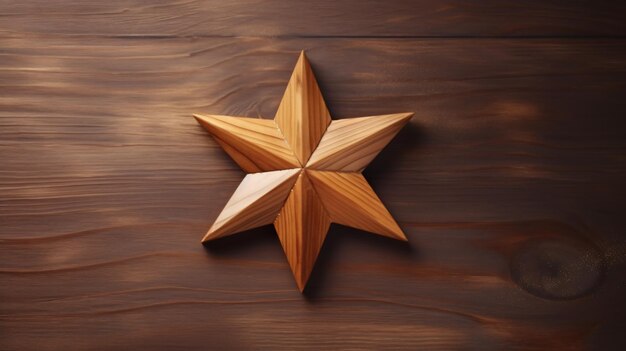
(304, 171)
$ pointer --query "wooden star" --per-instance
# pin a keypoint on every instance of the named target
(304, 171)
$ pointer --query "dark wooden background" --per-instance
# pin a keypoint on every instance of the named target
(509, 181)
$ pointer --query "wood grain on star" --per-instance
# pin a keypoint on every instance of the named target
(302, 135)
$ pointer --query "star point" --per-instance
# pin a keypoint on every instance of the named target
(304, 172)
(302, 115)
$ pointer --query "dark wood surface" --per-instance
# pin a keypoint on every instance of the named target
(509, 180)
(137, 18)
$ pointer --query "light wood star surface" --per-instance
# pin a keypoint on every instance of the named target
(304, 171)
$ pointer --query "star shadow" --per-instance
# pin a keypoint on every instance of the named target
(238, 245)
(406, 142)
(342, 239)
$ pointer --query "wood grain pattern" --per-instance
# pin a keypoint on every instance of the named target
(302, 225)
(349, 145)
(196, 18)
(302, 115)
(257, 145)
(342, 191)
(255, 203)
(508, 181)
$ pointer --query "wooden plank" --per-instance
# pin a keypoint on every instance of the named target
(508, 183)
(318, 18)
